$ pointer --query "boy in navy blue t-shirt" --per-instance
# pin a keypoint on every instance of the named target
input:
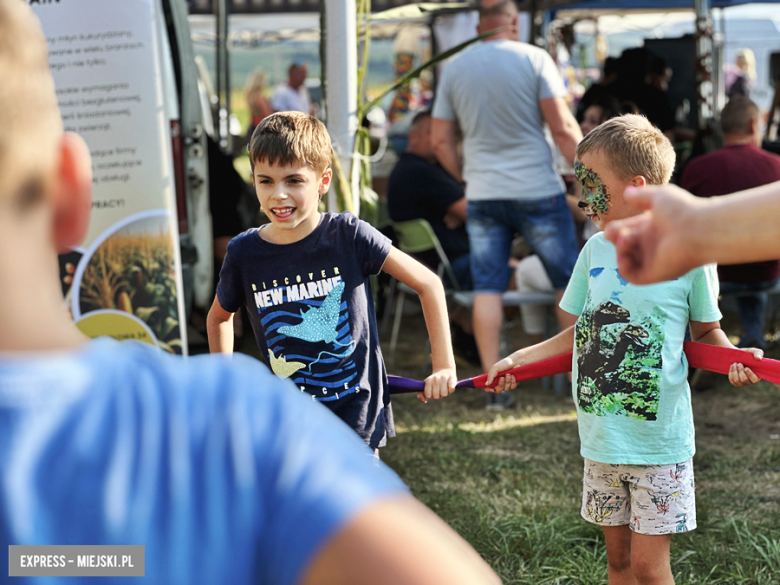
(222, 471)
(304, 279)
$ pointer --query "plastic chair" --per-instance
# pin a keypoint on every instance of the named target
(416, 236)
(382, 214)
(515, 298)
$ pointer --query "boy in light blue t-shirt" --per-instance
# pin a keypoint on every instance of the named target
(630, 372)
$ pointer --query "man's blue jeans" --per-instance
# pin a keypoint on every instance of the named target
(752, 309)
(547, 226)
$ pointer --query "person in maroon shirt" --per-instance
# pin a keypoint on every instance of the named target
(740, 164)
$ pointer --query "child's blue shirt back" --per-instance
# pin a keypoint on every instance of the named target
(312, 311)
(630, 372)
(214, 465)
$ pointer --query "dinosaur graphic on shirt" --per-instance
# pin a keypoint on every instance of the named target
(318, 324)
(619, 358)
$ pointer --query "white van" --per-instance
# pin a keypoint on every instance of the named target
(190, 155)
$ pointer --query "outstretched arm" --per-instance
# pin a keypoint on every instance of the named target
(434, 304)
(398, 541)
(681, 231)
(560, 344)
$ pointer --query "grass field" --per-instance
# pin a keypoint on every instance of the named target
(510, 482)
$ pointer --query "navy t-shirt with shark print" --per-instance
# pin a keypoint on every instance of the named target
(312, 311)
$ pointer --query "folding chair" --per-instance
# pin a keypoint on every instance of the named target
(416, 236)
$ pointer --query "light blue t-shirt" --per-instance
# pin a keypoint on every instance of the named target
(630, 372)
(493, 91)
(226, 473)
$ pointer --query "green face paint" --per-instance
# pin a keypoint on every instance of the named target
(594, 192)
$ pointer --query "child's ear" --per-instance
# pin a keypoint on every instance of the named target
(638, 181)
(71, 193)
(325, 180)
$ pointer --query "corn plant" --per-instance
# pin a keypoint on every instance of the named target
(135, 273)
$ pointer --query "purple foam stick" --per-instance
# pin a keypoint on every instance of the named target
(401, 385)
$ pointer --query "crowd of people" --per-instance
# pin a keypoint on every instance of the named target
(489, 113)
(629, 375)
(227, 470)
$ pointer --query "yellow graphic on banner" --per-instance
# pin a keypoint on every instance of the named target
(120, 326)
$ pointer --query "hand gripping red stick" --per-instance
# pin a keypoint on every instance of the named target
(559, 364)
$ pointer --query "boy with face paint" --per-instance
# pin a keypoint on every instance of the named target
(629, 371)
(599, 181)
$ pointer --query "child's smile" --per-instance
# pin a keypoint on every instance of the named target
(283, 213)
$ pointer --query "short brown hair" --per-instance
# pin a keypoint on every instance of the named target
(30, 123)
(634, 147)
(737, 115)
(286, 138)
(502, 7)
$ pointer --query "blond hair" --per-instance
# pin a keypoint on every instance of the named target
(255, 82)
(748, 62)
(30, 123)
(287, 138)
(633, 147)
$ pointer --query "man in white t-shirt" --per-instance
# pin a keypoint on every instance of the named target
(293, 95)
(500, 93)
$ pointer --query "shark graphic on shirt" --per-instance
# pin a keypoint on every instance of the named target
(320, 323)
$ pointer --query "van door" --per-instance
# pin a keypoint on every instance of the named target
(190, 156)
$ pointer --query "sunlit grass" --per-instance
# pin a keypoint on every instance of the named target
(511, 422)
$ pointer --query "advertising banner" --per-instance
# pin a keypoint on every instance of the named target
(114, 89)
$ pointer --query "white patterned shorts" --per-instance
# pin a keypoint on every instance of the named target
(650, 499)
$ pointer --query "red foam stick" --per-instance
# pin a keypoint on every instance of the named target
(719, 359)
(559, 364)
(700, 355)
